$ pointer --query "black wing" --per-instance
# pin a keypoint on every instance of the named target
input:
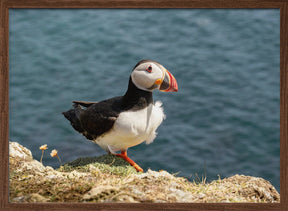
(84, 103)
(100, 117)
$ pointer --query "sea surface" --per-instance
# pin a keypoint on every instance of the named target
(224, 120)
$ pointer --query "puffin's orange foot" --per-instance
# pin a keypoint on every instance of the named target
(129, 160)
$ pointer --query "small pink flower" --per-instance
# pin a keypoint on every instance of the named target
(43, 147)
(54, 153)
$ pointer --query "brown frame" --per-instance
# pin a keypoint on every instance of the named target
(5, 5)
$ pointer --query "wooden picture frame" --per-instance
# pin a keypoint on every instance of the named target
(282, 5)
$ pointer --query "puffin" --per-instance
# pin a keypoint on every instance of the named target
(119, 123)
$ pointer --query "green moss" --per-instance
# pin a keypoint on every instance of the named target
(106, 163)
(105, 159)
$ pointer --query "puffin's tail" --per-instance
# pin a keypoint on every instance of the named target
(73, 116)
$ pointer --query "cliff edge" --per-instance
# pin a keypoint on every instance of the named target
(110, 179)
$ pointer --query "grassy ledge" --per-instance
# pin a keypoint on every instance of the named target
(108, 178)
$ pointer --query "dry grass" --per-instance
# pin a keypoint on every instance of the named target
(110, 179)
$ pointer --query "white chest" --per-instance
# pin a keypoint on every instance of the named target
(133, 127)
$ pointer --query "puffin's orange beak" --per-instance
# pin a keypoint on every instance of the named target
(169, 83)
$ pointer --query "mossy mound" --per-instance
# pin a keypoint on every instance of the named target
(108, 178)
(106, 163)
(104, 159)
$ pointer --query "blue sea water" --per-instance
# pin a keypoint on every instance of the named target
(225, 118)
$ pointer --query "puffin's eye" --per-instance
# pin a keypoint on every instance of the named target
(149, 69)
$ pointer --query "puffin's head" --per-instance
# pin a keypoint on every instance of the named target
(149, 75)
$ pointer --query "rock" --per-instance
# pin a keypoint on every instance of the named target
(109, 179)
(18, 151)
(255, 187)
(101, 193)
(35, 197)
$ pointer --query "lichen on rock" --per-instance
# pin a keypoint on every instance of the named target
(108, 178)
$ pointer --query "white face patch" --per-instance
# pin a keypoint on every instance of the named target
(145, 75)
